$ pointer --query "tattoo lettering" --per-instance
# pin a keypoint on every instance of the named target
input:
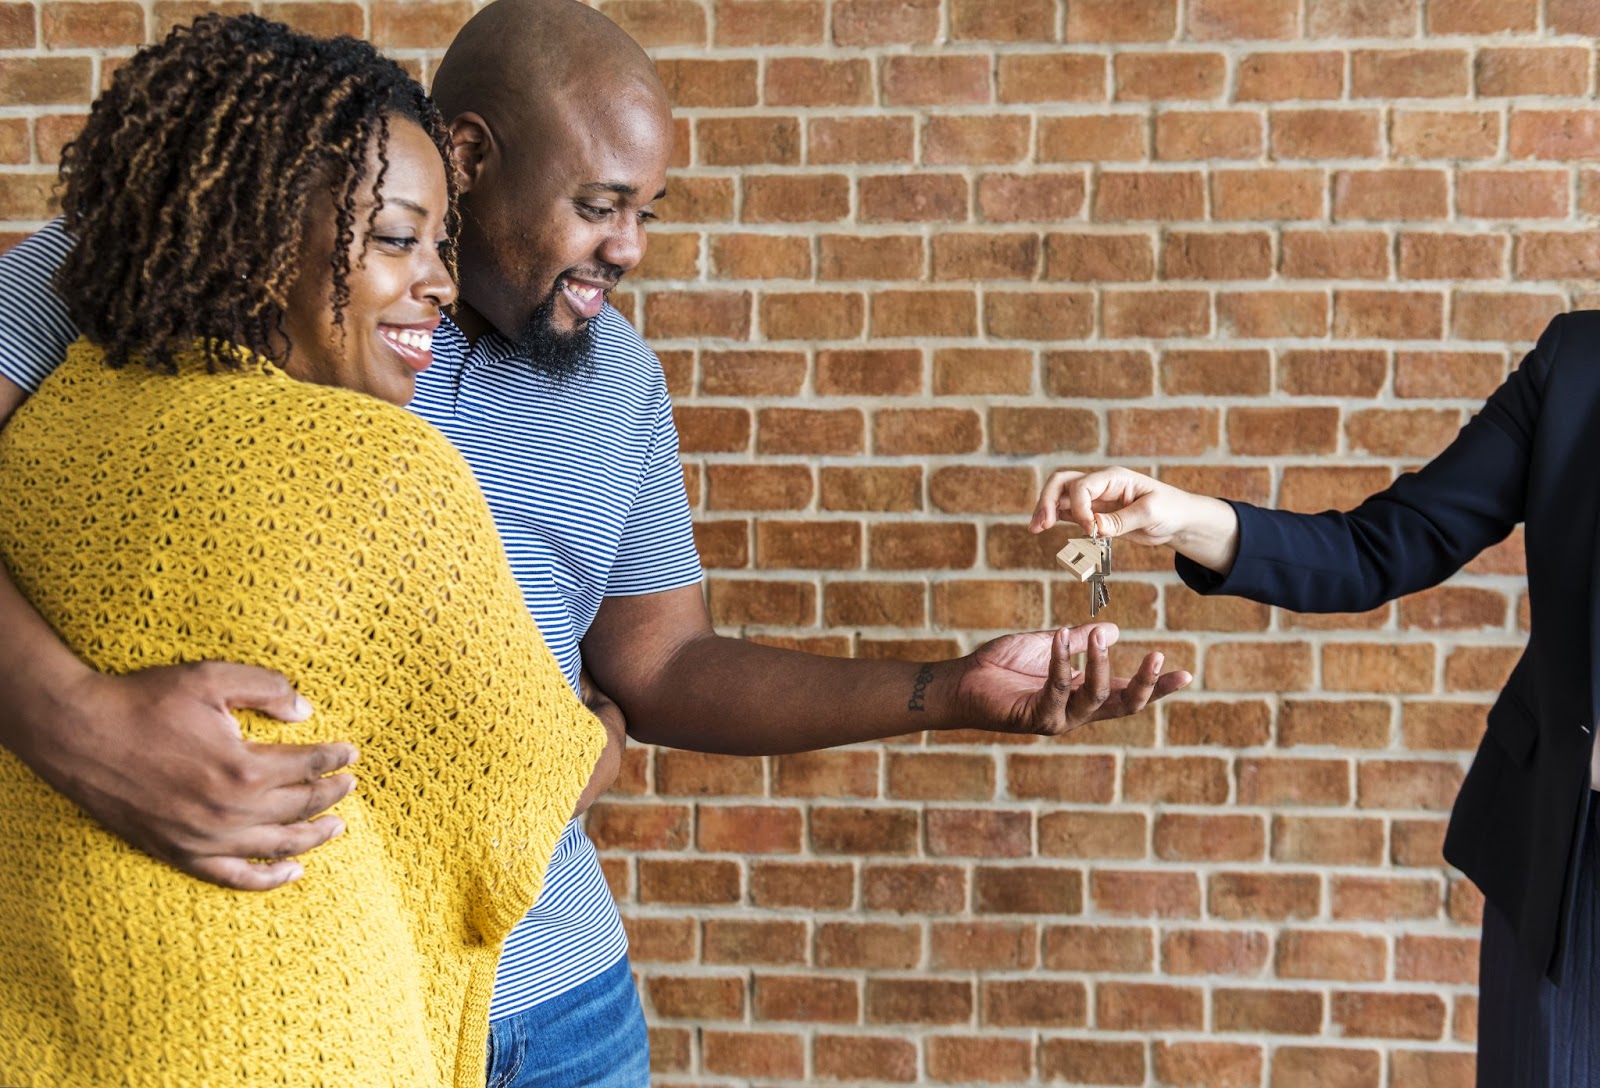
(920, 688)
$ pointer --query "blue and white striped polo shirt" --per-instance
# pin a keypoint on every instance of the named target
(584, 483)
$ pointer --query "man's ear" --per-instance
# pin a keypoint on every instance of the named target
(471, 146)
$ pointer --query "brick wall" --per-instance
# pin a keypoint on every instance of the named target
(916, 254)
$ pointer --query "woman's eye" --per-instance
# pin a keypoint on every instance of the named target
(395, 241)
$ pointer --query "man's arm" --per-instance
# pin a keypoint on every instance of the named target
(682, 685)
(157, 758)
(610, 764)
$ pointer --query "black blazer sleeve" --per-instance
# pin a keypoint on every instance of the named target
(1410, 536)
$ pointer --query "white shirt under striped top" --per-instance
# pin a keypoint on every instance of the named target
(584, 483)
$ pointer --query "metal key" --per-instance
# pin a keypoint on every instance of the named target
(1099, 581)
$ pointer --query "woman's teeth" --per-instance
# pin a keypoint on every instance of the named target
(411, 338)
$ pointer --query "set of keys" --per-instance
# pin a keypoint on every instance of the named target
(1089, 557)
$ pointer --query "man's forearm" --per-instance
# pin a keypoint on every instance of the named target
(740, 698)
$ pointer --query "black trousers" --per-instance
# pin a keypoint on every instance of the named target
(1532, 1033)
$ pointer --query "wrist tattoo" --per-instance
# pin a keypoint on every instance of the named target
(920, 687)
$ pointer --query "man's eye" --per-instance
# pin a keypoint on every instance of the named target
(596, 211)
(648, 217)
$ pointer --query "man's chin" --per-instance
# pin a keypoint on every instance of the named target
(565, 357)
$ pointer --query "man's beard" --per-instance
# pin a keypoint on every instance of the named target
(566, 358)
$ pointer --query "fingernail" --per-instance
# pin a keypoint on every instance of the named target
(338, 829)
(295, 873)
(1098, 637)
(302, 708)
(1159, 661)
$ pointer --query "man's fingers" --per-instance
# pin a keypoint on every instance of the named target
(1136, 696)
(1059, 683)
(1096, 686)
(299, 764)
(251, 688)
(244, 876)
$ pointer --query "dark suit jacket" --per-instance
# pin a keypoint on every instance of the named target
(1531, 455)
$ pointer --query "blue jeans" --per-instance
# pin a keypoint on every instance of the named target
(590, 1037)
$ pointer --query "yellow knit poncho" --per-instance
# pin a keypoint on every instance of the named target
(247, 516)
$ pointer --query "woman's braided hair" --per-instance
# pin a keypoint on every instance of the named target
(191, 189)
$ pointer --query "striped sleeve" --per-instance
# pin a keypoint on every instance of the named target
(657, 552)
(35, 330)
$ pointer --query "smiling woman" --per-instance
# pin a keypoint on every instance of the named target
(220, 470)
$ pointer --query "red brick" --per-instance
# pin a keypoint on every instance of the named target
(1018, 21)
(1122, 20)
(38, 81)
(1453, 608)
(769, 22)
(1432, 1068)
(813, 81)
(688, 881)
(924, 313)
(1210, 134)
(16, 26)
(1147, 77)
(749, 829)
(1034, 315)
(807, 885)
(918, 1001)
(1444, 134)
(957, 489)
(1230, 20)
(742, 601)
(985, 256)
(1562, 135)
(102, 25)
(1099, 258)
(1209, 372)
(975, 139)
(1263, 896)
(1409, 73)
(1214, 952)
(778, 198)
(1437, 256)
(1479, 668)
(1052, 77)
(758, 256)
(615, 826)
(843, 1057)
(850, 830)
(1098, 374)
(660, 940)
(1280, 77)
(1340, 254)
(1089, 779)
(1389, 1016)
(1326, 840)
(1393, 193)
(653, 23)
(953, 1059)
(922, 547)
(1541, 70)
(820, 315)
(1379, 899)
(969, 371)
(1147, 1007)
(1268, 194)
(28, 197)
(983, 946)
(1186, 837)
(1407, 784)
(1436, 959)
(1188, 780)
(670, 314)
(941, 776)
(1256, 666)
(827, 774)
(1145, 894)
(698, 200)
(696, 998)
(1325, 133)
(1495, 315)
(1162, 313)
(914, 889)
(1031, 1003)
(1513, 194)
(1027, 890)
(804, 430)
(1348, 373)
(925, 430)
(879, 257)
(1117, 137)
(753, 1054)
(1482, 16)
(1004, 198)
(1277, 781)
(880, 22)
(859, 139)
(1073, 1060)
(1275, 1012)
(1324, 1067)
(936, 80)
(1313, 954)
(1211, 723)
(1120, 949)
(878, 945)
(1388, 315)
(397, 25)
(758, 487)
(815, 1000)
(1349, 723)
(1162, 431)
(752, 373)
(693, 83)
(1214, 255)
(1414, 432)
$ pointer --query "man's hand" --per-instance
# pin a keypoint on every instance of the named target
(1025, 683)
(610, 763)
(157, 758)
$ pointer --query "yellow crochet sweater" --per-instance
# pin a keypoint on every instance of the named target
(156, 519)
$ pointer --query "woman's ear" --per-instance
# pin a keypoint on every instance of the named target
(471, 144)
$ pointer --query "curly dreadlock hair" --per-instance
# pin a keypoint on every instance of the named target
(191, 189)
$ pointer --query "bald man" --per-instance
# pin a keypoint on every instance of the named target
(562, 136)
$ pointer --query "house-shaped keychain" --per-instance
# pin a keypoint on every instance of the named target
(1081, 556)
